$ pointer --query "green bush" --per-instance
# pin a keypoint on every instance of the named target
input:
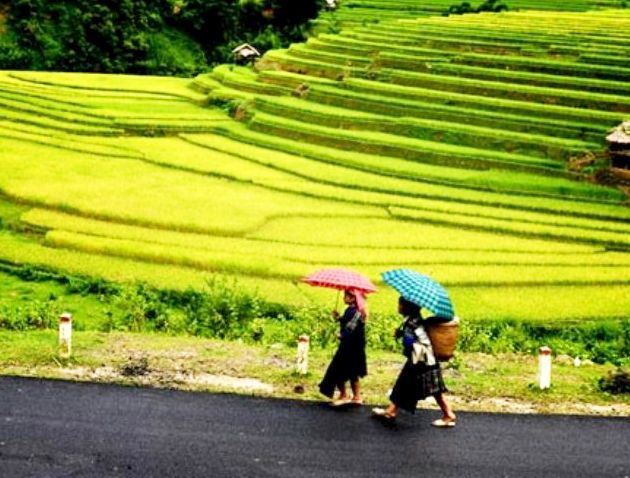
(380, 332)
(285, 328)
(138, 309)
(224, 310)
(466, 7)
(493, 337)
(211, 23)
(624, 339)
(604, 342)
(172, 53)
(616, 382)
(12, 57)
(268, 39)
(31, 316)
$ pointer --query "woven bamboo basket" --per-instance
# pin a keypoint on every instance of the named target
(444, 338)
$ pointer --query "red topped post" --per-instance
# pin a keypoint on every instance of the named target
(544, 367)
(302, 354)
(65, 335)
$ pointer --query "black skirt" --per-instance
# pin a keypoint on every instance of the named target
(416, 382)
(348, 364)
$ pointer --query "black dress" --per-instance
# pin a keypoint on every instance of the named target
(349, 362)
(415, 381)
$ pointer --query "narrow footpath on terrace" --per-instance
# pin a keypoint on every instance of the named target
(57, 428)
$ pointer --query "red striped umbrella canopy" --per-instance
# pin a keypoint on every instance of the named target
(340, 279)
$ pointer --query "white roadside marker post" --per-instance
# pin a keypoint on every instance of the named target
(544, 367)
(65, 335)
(302, 354)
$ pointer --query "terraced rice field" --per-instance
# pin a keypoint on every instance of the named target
(437, 143)
(361, 12)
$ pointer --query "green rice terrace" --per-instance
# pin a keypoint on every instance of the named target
(362, 12)
(450, 145)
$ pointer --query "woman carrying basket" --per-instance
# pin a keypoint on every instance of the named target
(421, 375)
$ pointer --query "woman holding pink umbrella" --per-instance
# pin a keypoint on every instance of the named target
(349, 363)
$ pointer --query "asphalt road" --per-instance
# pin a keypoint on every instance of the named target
(64, 429)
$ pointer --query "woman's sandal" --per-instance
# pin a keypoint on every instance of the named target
(382, 413)
(340, 402)
(444, 423)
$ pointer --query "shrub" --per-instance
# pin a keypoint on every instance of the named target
(466, 7)
(601, 342)
(90, 285)
(624, 339)
(491, 6)
(616, 382)
(224, 311)
(267, 39)
(286, 328)
(34, 315)
(172, 53)
(493, 337)
(211, 23)
(12, 57)
(138, 308)
(380, 332)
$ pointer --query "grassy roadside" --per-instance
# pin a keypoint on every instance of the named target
(106, 351)
(504, 383)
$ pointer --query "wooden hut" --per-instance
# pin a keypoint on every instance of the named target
(619, 146)
(245, 52)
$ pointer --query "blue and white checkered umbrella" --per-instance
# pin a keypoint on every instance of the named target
(421, 290)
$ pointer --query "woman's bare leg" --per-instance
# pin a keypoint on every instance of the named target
(447, 411)
(342, 391)
(356, 390)
(392, 410)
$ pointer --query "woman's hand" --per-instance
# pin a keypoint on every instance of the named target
(335, 314)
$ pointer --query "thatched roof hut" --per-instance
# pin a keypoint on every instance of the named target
(245, 52)
(620, 135)
(619, 145)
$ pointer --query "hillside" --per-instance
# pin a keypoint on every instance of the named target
(437, 143)
(361, 12)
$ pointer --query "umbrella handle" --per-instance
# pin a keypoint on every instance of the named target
(337, 301)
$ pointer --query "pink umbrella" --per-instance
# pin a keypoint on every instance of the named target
(340, 279)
